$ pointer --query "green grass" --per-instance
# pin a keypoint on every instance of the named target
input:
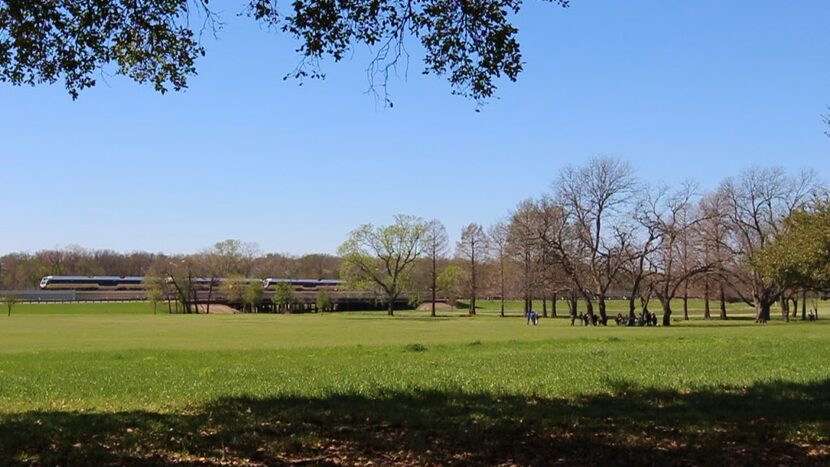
(115, 384)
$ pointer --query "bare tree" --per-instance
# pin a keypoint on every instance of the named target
(674, 216)
(181, 275)
(523, 245)
(643, 245)
(382, 257)
(499, 236)
(755, 206)
(472, 247)
(436, 244)
(595, 196)
(549, 221)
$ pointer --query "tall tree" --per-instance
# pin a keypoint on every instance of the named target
(524, 246)
(472, 248)
(756, 205)
(381, 257)
(674, 216)
(499, 236)
(596, 198)
(158, 42)
(643, 246)
(436, 244)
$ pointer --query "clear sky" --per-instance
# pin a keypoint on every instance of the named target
(696, 89)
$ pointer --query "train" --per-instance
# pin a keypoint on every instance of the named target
(137, 283)
(92, 283)
(303, 284)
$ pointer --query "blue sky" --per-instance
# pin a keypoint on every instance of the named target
(680, 89)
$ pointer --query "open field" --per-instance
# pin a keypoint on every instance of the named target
(115, 384)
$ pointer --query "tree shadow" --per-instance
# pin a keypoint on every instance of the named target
(765, 424)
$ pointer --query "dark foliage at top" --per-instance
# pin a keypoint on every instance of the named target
(472, 42)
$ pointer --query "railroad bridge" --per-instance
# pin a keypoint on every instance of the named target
(302, 300)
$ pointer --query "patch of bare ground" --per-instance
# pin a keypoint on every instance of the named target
(218, 309)
(427, 306)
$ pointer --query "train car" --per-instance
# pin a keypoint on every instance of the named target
(92, 283)
(303, 284)
(204, 283)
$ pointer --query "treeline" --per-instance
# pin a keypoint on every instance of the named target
(600, 232)
(19, 271)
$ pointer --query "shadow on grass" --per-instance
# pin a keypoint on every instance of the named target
(765, 424)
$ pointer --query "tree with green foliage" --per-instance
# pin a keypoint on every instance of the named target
(800, 258)
(756, 205)
(158, 42)
(154, 287)
(323, 301)
(10, 301)
(450, 282)
(234, 288)
(252, 295)
(283, 296)
(381, 258)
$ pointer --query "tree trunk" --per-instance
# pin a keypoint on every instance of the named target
(434, 284)
(473, 284)
(501, 273)
(574, 304)
(544, 305)
(762, 310)
(785, 308)
(685, 303)
(707, 313)
(589, 310)
(722, 299)
(553, 304)
(390, 307)
(603, 316)
(666, 312)
(632, 308)
(804, 305)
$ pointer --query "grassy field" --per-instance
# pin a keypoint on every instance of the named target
(116, 384)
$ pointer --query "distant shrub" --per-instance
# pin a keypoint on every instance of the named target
(415, 348)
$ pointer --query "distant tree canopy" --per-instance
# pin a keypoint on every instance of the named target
(471, 42)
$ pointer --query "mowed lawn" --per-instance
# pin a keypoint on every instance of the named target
(116, 384)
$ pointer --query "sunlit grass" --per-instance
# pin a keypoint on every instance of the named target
(58, 360)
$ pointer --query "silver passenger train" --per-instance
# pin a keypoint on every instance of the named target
(137, 283)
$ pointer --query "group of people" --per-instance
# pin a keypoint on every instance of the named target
(645, 318)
